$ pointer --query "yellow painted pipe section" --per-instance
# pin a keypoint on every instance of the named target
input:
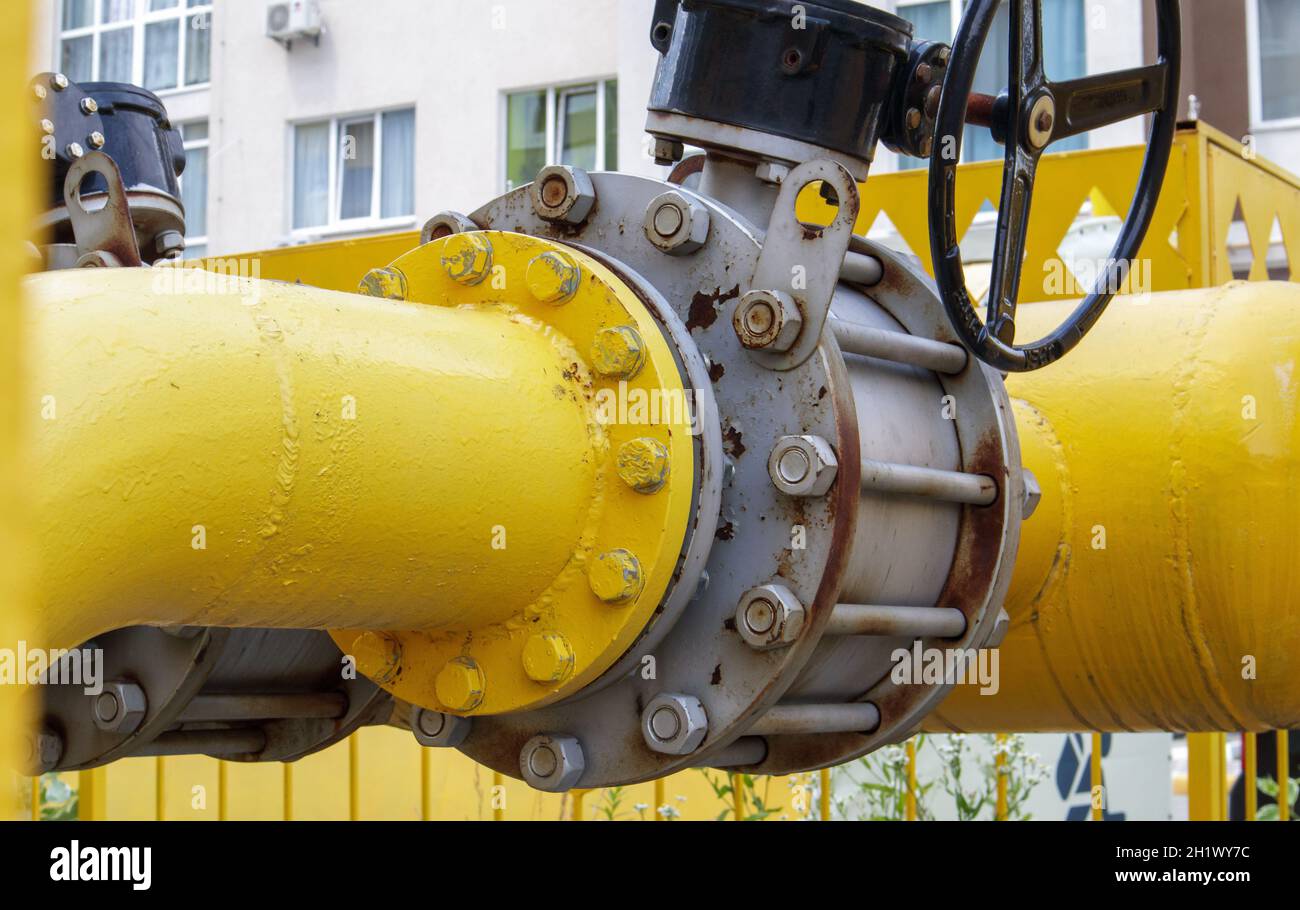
(260, 454)
(18, 165)
(1156, 584)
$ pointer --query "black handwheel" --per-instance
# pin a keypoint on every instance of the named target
(1032, 114)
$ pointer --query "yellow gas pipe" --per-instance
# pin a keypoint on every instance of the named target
(259, 454)
(1155, 585)
(200, 469)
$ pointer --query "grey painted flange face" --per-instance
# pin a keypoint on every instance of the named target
(702, 655)
(987, 538)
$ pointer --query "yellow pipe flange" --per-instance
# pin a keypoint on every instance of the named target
(643, 472)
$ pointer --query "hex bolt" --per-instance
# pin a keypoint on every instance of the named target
(75, 150)
(548, 657)
(460, 684)
(616, 577)
(44, 749)
(770, 617)
(674, 724)
(388, 284)
(554, 278)
(618, 352)
(467, 258)
(437, 730)
(444, 224)
(47, 127)
(643, 465)
(89, 106)
(677, 224)
(96, 140)
(913, 118)
(40, 92)
(767, 321)
(552, 763)
(120, 708)
(924, 72)
(59, 82)
(563, 194)
(1033, 495)
(772, 172)
(169, 242)
(803, 466)
(667, 152)
(378, 655)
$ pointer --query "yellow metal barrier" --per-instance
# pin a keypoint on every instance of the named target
(1212, 180)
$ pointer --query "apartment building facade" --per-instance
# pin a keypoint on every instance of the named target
(403, 108)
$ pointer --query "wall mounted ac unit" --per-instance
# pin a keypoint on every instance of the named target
(290, 20)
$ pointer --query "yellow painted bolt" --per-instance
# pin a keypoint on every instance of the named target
(618, 353)
(554, 278)
(460, 685)
(467, 258)
(615, 577)
(378, 656)
(548, 658)
(643, 465)
(389, 284)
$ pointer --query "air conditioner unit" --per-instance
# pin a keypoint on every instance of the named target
(293, 19)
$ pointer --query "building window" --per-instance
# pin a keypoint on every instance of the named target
(99, 40)
(1065, 52)
(1275, 66)
(571, 124)
(354, 172)
(194, 188)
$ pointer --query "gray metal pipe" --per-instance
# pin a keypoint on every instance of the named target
(909, 480)
(900, 347)
(207, 742)
(790, 720)
(911, 622)
(209, 708)
(746, 751)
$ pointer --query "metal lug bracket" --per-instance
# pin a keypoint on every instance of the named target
(107, 229)
(804, 260)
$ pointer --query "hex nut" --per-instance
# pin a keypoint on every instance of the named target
(803, 466)
(616, 577)
(548, 658)
(772, 172)
(667, 152)
(553, 278)
(43, 751)
(767, 321)
(467, 258)
(444, 224)
(677, 224)
(770, 617)
(618, 352)
(59, 82)
(674, 724)
(643, 464)
(89, 106)
(386, 284)
(436, 730)
(380, 654)
(1033, 495)
(563, 194)
(552, 763)
(460, 684)
(120, 708)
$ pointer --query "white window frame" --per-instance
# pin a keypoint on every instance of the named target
(137, 22)
(371, 223)
(204, 143)
(554, 136)
(1254, 67)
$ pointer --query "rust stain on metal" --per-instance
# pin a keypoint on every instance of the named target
(704, 308)
(733, 442)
